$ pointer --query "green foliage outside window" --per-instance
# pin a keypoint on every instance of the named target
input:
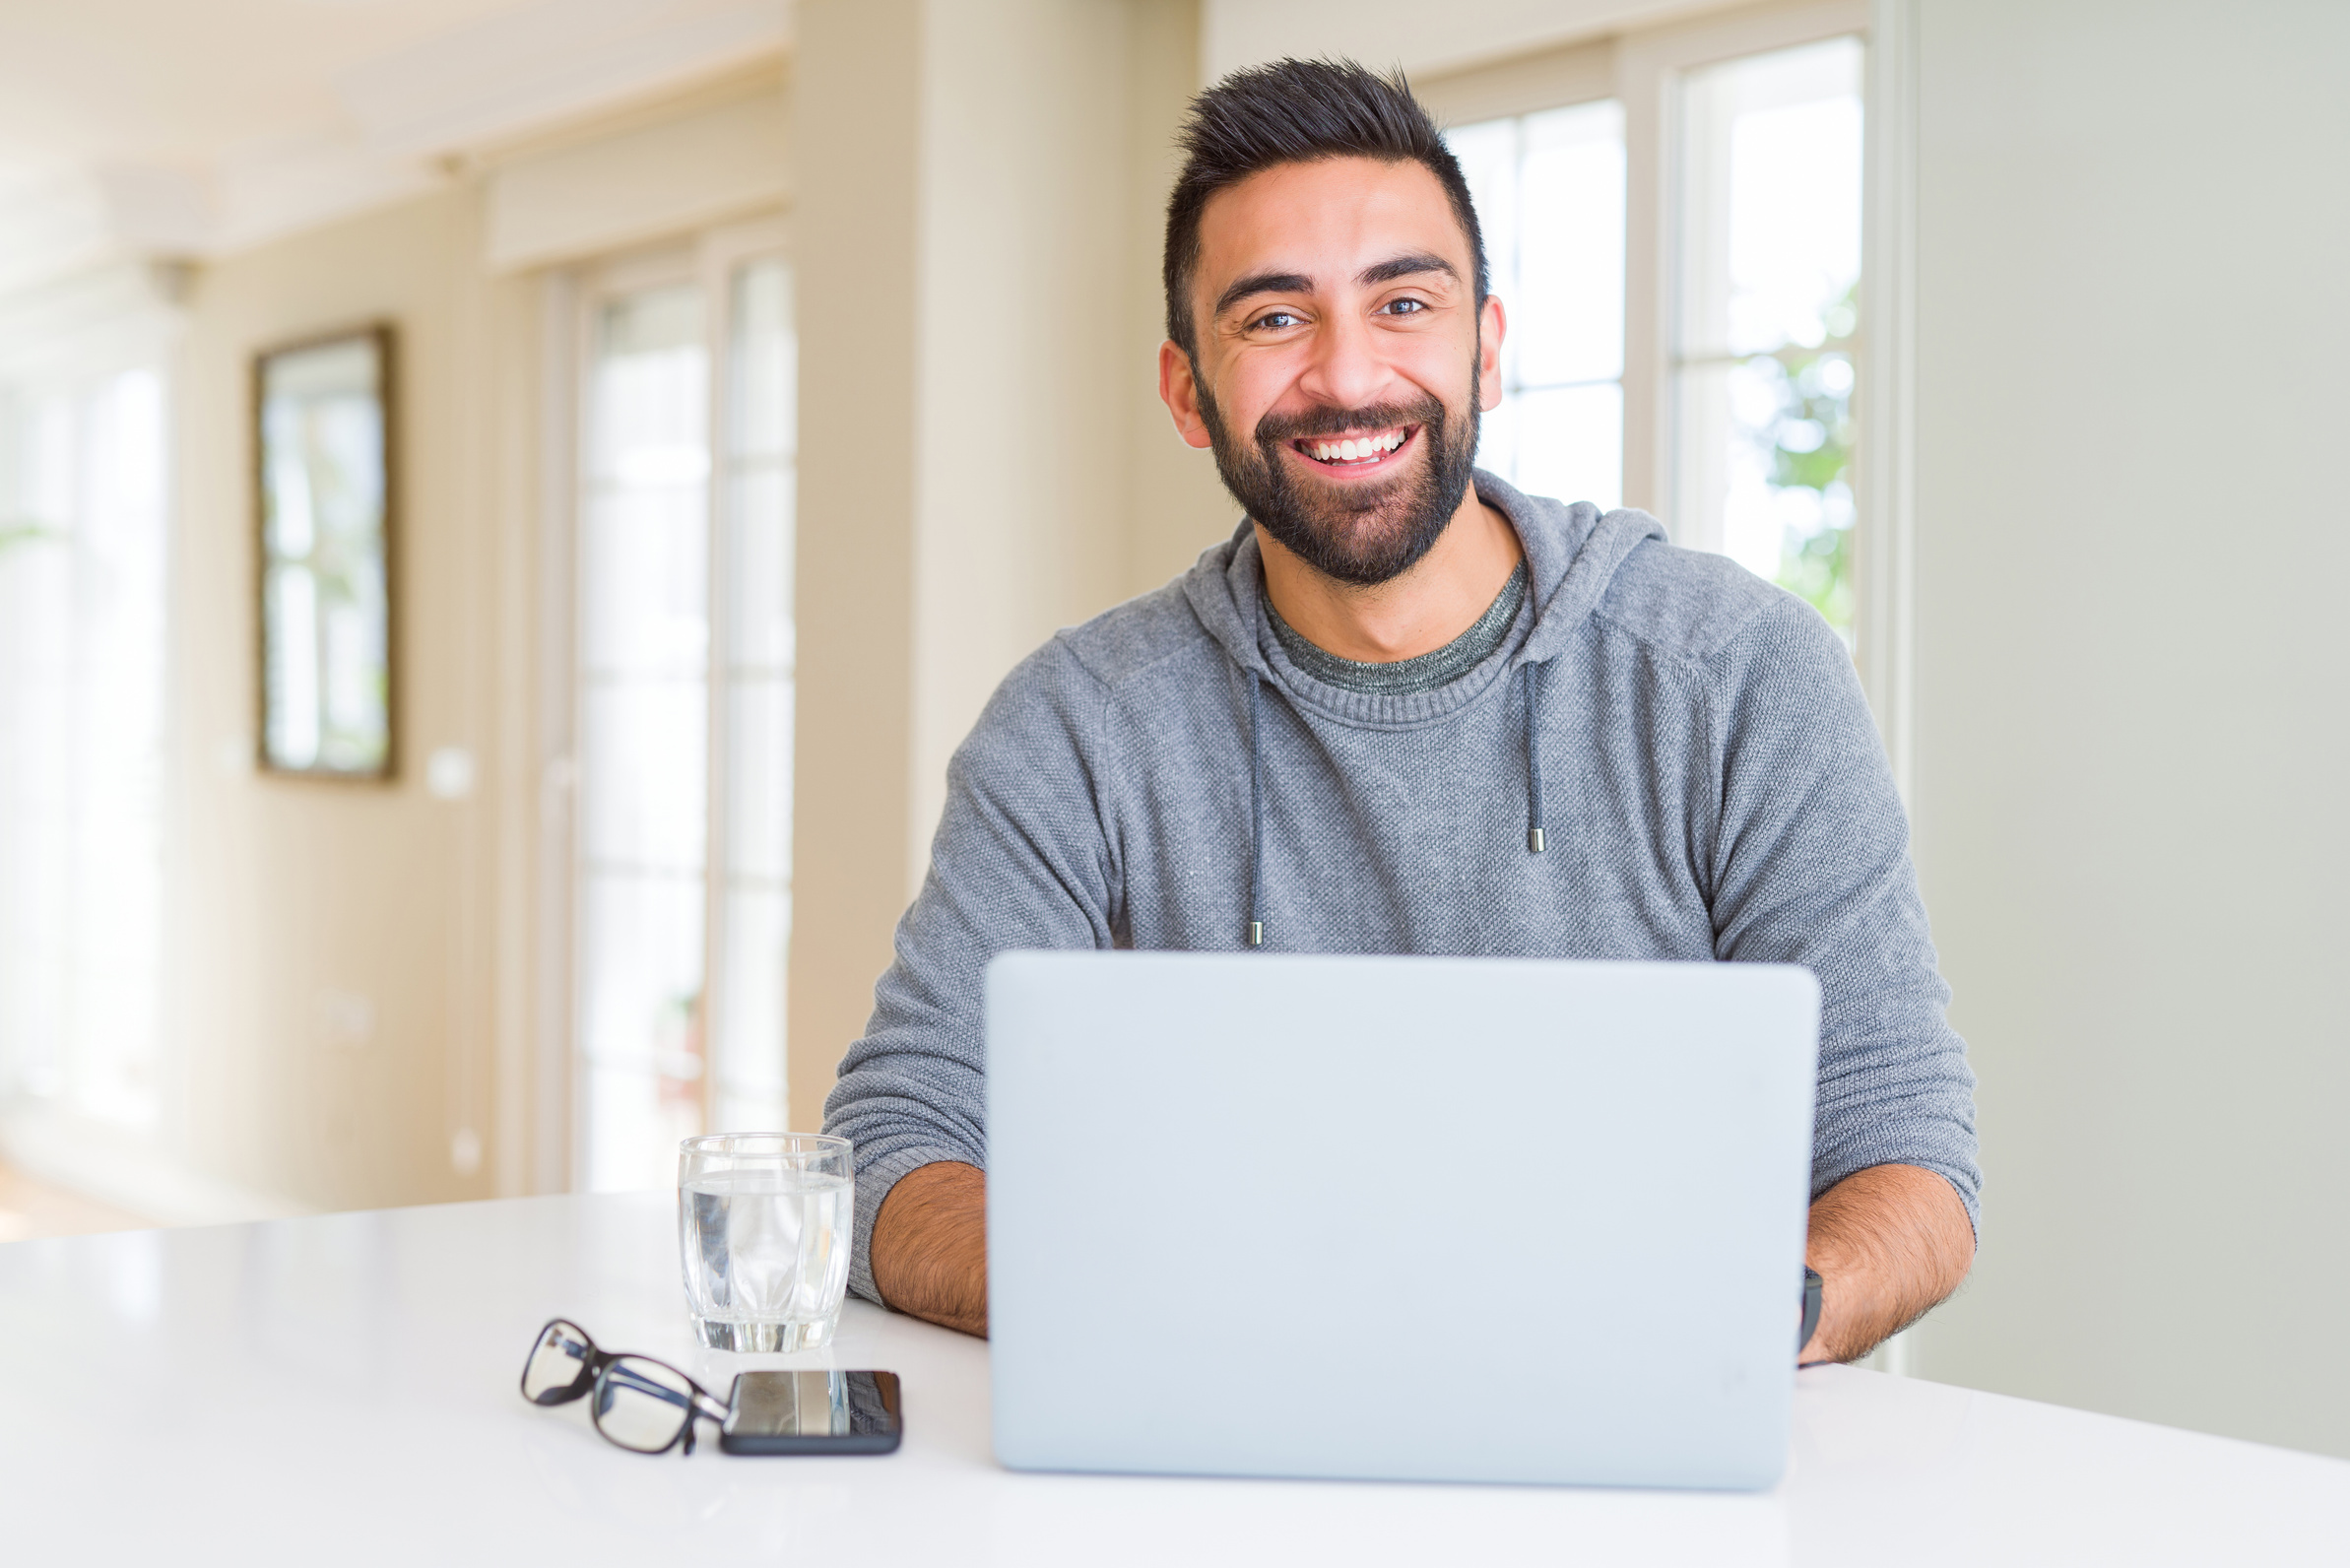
(1809, 440)
(12, 533)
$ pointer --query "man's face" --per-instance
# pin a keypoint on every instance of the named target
(1341, 367)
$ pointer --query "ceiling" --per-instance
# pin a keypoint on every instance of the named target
(194, 127)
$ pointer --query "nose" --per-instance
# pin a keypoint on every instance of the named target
(1346, 370)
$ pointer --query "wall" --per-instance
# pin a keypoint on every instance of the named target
(982, 453)
(1384, 33)
(367, 972)
(2132, 749)
(330, 1024)
(1175, 505)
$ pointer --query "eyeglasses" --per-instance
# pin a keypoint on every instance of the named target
(644, 1406)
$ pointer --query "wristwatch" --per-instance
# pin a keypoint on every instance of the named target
(1811, 1288)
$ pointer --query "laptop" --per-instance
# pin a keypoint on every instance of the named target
(1397, 1218)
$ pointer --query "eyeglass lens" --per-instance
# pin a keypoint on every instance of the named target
(642, 1404)
(561, 1368)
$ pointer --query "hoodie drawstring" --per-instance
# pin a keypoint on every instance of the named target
(1533, 761)
(1533, 790)
(1255, 931)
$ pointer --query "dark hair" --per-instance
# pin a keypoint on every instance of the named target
(1297, 111)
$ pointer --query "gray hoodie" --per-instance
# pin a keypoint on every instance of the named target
(1690, 742)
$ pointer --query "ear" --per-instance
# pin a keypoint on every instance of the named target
(1491, 325)
(1181, 394)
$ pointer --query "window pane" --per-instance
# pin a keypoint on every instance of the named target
(84, 551)
(1571, 443)
(644, 795)
(761, 525)
(759, 792)
(645, 579)
(764, 368)
(1568, 318)
(756, 932)
(648, 419)
(750, 1083)
(1549, 191)
(643, 672)
(1488, 152)
(640, 991)
(1770, 277)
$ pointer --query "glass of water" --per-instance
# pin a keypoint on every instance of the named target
(765, 1222)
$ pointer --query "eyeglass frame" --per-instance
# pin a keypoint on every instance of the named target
(701, 1404)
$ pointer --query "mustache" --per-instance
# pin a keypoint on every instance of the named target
(1274, 429)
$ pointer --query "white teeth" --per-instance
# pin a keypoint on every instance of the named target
(1357, 451)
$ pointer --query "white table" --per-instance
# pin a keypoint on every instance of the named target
(342, 1390)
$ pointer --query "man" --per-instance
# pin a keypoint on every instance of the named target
(1407, 709)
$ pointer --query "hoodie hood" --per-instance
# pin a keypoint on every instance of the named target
(1572, 554)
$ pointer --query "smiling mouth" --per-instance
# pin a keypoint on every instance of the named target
(1358, 451)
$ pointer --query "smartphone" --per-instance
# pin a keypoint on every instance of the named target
(813, 1412)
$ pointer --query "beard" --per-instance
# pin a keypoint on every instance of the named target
(1362, 534)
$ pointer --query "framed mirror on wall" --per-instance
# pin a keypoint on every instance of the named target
(323, 483)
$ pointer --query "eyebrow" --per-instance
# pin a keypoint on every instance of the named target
(1406, 266)
(1264, 283)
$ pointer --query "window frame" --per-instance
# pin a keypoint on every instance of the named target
(571, 298)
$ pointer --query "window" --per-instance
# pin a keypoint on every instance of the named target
(1674, 222)
(83, 560)
(755, 926)
(1549, 191)
(682, 694)
(1770, 273)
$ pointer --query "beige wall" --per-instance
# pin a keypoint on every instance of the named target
(2131, 747)
(1176, 507)
(289, 894)
(1238, 33)
(983, 456)
(292, 899)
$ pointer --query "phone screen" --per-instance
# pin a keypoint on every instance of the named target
(813, 1412)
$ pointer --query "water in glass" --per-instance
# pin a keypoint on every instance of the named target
(765, 1230)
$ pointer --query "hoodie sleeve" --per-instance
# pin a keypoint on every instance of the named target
(1810, 865)
(1020, 860)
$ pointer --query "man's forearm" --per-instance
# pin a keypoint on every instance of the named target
(929, 1246)
(1889, 1241)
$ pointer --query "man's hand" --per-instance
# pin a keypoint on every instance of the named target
(1889, 1241)
(929, 1246)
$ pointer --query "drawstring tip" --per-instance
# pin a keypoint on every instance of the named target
(1534, 839)
(1255, 933)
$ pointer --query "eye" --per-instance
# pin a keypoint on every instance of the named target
(1405, 306)
(1275, 320)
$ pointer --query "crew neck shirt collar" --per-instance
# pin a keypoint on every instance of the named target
(1440, 667)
